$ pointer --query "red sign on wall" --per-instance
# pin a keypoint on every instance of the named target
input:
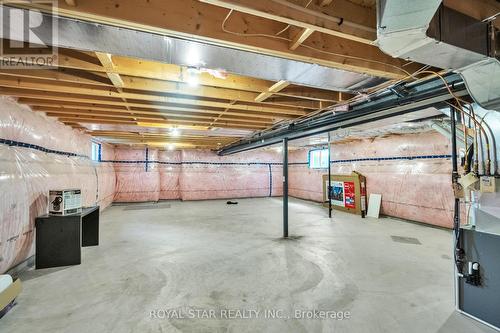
(349, 195)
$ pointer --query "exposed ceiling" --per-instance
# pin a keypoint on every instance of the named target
(124, 100)
(154, 103)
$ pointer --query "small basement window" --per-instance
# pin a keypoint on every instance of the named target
(96, 152)
(318, 159)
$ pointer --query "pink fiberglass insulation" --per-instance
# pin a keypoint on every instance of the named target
(205, 175)
(28, 173)
(416, 189)
(137, 179)
(195, 175)
(170, 170)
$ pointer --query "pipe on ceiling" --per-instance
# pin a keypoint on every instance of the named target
(427, 32)
(386, 104)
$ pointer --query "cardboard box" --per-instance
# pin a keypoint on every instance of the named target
(348, 193)
(65, 202)
(10, 294)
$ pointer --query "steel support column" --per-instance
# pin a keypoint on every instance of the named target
(329, 179)
(285, 187)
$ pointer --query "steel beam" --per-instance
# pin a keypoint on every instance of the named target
(388, 103)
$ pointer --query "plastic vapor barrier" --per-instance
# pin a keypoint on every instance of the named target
(152, 175)
(411, 171)
(38, 154)
(170, 172)
(206, 175)
(136, 179)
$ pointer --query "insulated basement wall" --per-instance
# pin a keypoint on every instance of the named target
(411, 171)
(152, 175)
(136, 179)
(38, 154)
(205, 175)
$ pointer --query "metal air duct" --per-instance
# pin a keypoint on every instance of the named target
(87, 36)
(427, 32)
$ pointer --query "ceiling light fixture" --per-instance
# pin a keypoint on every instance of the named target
(175, 132)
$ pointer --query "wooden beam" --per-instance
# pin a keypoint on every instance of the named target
(82, 104)
(71, 2)
(138, 118)
(271, 90)
(300, 38)
(353, 11)
(286, 12)
(63, 75)
(144, 114)
(160, 144)
(144, 84)
(148, 85)
(325, 3)
(149, 123)
(162, 136)
(478, 9)
(55, 87)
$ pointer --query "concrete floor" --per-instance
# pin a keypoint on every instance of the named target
(187, 256)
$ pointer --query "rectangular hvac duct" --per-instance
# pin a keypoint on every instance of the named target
(87, 36)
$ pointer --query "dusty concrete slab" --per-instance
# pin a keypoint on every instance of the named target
(197, 257)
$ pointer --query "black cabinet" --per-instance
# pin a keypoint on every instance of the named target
(59, 239)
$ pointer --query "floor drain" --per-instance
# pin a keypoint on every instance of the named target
(406, 240)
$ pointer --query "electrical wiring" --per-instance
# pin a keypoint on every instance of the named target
(247, 34)
(276, 36)
(370, 93)
(459, 102)
(493, 146)
(348, 101)
(488, 161)
(423, 70)
(288, 26)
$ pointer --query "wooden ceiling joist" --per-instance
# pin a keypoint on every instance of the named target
(137, 119)
(289, 13)
(144, 114)
(136, 108)
(194, 19)
(55, 87)
(146, 84)
(109, 89)
(325, 3)
(119, 121)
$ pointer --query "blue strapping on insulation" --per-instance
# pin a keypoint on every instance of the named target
(270, 180)
(147, 157)
(147, 161)
(36, 147)
(378, 159)
(99, 153)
